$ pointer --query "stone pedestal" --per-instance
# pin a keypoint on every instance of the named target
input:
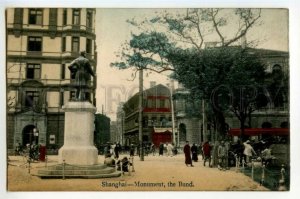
(78, 148)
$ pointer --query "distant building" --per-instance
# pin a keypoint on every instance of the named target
(157, 120)
(120, 124)
(41, 43)
(113, 132)
(102, 129)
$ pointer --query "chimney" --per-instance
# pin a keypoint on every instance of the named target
(152, 84)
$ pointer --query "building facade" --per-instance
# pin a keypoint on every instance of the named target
(157, 118)
(102, 130)
(41, 43)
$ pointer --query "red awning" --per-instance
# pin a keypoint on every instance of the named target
(260, 131)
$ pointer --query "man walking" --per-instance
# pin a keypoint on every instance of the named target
(222, 156)
(187, 154)
(206, 153)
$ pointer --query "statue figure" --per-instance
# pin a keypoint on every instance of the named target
(81, 68)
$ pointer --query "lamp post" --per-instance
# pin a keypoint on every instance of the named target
(172, 112)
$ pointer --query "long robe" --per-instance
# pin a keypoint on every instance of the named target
(187, 153)
(194, 153)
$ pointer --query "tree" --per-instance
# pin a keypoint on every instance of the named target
(175, 42)
(227, 77)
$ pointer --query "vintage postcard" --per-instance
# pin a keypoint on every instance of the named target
(147, 99)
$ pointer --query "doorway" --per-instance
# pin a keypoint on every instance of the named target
(28, 135)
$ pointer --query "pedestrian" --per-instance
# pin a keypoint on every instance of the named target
(248, 151)
(153, 149)
(221, 156)
(161, 149)
(117, 150)
(194, 152)
(207, 153)
(227, 147)
(266, 156)
(169, 149)
(131, 150)
(187, 154)
(109, 161)
(112, 149)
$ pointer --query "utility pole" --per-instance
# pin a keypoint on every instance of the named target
(172, 112)
(141, 114)
(203, 120)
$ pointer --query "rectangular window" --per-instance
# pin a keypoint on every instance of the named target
(72, 95)
(33, 71)
(34, 44)
(89, 19)
(88, 46)
(75, 44)
(65, 16)
(63, 71)
(88, 96)
(153, 105)
(76, 17)
(63, 45)
(32, 98)
(61, 98)
(35, 16)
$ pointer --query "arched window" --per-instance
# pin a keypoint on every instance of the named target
(276, 67)
(284, 125)
(266, 125)
(182, 132)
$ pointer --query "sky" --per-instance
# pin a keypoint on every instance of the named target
(112, 30)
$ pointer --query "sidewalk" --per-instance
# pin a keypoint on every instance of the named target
(155, 173)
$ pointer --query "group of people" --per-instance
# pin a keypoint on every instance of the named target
(113, 149)
(191, 153)
(32, 150)
(122, 164)
(221, 152)
(170, 149)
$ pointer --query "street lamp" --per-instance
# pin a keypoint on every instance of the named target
(172, 112)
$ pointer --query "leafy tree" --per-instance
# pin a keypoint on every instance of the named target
(227, 77)
(175, 42)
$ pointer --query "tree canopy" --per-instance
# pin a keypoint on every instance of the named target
(221, 72)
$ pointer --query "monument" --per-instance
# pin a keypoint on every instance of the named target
(78, 157)
(78, 148)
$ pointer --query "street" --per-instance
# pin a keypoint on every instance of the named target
(155, 173)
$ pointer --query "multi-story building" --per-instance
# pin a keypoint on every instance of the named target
(41, 42)
(157, 116)
(120, 124)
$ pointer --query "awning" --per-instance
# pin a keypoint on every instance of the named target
(260, 131)
(162, 130)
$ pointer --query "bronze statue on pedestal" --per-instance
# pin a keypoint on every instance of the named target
(81, 68)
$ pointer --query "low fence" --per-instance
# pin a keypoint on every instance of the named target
(272, 177)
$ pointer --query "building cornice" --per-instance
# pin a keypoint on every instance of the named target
(50, 33)
(44, 59)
